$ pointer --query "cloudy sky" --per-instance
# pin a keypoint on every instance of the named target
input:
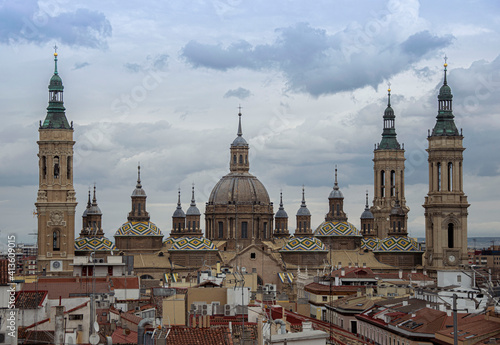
(160, 82)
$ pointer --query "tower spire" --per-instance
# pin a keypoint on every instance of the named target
(179, 198)
(366, 204)
(445, 124)
(240, 132)
(389, 141)
(56, 117)
(193, 202)
(88, 202)
(94, 200)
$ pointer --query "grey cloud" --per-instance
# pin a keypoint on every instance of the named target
(79, 65)
(156, 62)
(315, 62)
(423, 42)
(132, 67)
(27, 22)
(240, 93)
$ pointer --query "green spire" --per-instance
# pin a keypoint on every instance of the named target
(389, 141)
(56, 117)
(445, 125)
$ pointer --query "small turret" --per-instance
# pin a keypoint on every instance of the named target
(303, 218)
(281, 220)
(336, 203)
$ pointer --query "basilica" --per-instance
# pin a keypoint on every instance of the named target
(241, 230)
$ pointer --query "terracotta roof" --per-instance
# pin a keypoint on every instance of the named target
(67, 287)
(425, 320)
(354, 272)
(468, 330)
(196, 336)
(124, 282)
(30, 299)
(325, 289)
(120, 338)
(126, 316)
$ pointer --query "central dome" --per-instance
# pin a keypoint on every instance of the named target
(240, 189)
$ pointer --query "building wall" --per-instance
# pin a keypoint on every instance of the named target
(174, 310)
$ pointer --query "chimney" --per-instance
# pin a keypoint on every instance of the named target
(358, 293)
(337, 280)
(59, 326)
(400, 274)
(218, 267)
(342, 272)
(364, 264)
(200, 322)
(349, 265)
(405, 303)
(448, 312)
(306, 326)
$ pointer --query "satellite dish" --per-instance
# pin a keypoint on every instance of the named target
(94, 339)
(96, 326)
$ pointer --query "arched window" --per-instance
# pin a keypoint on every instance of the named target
(451, 243)
(450, 176)
(244, 229)
(189, 224)
(68, 168)
(44, 167)
(382, 183)
(393, 183)
(234, 159)
(241, 159)
(56, 240)
(394, 226)
(364, 228)
(439, 176)
(338, 209)
(399, 226)
(139, 209)
(246, 159)
(56, 167)
(369, 227)
(221, 229)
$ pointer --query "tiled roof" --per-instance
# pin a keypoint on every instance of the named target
(124, 282)
(195, 336)
(68, 287)
(126, 316)
(322, 288)
(354, 272)
(30, 299)
(471, 330)
(120, 338)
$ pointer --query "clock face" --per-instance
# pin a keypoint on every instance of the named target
(452, 258)
(56, 264)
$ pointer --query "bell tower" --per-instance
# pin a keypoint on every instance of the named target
(388, 166)
(445, 204)
(56, 201)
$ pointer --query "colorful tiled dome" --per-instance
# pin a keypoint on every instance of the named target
(94, 244)
(369, 243)
(303, 244)
(336, 228)
(193, 243)
(143, 228)
(398, 244)
(169, 241)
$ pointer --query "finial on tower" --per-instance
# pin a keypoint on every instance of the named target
(336, 184)
(179, 198)
(445, 69)
(88, 202)
(138, 176)
(281, 198)
(389, 94)
(240, 132)
(366, 205)
(94, 200)
(55, 59)
(193, 202)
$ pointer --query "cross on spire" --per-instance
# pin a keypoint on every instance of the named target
(445, 59)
